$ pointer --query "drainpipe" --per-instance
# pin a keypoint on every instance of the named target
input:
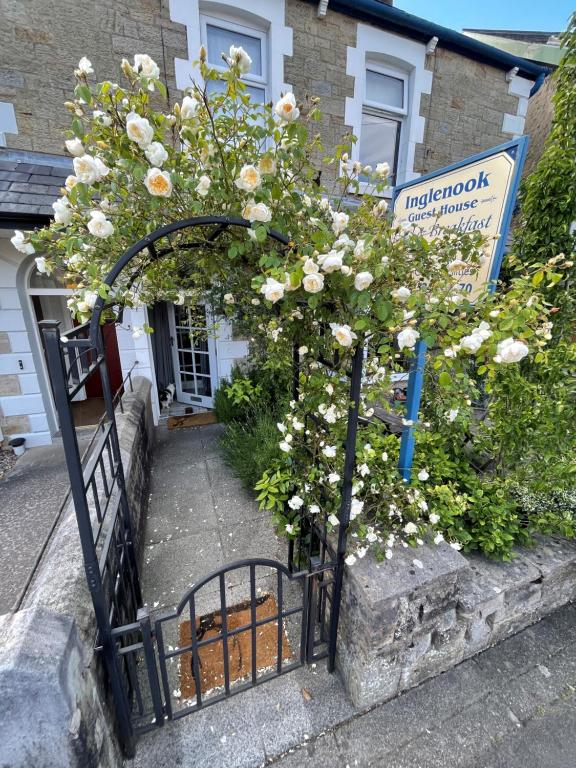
(322, 8)
(537, 84)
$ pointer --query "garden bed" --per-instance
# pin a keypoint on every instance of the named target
(403, 622)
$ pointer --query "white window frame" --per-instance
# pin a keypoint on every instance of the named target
(398, 54)
(227, 23)
(380, 109)
(263, 15)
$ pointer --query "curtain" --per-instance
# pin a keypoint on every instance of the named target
(161, 348)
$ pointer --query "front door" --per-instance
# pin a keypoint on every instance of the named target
(193, 354)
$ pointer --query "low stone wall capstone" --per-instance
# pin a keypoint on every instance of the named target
(402, 624)
(54, 711)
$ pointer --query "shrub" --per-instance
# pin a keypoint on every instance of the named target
(251, 447)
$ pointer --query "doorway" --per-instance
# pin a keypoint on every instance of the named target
(193, 354)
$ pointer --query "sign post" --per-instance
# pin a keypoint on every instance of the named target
(476, 194)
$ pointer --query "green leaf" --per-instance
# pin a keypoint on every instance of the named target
(78, 128)
(445, 380)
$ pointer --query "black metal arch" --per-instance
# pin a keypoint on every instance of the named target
(222, 224)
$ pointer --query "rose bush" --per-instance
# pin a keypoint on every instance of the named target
(348, 276)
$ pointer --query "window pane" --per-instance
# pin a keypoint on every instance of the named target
(379, 141)
(384, 89)
(257, 95)
(220, 40)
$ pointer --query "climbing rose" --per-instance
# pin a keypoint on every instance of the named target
(85, 66)
(410, 528)
(62, 211)
(273, 290)
(156, 154)
(41, 264)
(189, 107)
(295, 502)
(158, 182)
(363, 280)
(511, 350)
(146, 66)
(237, 55)
(139, 130)
(99, 226)
(257, 212)
(343, 334)
(74, 146)
(471, 343)
(19, 242)
(313, 283)
(339, 222)
(408, 338)
(88, 169)
(332, 262)
(267, 164)
(401, 293)
(286, 108)
(249, 178)
(203, 185)
(382, 170)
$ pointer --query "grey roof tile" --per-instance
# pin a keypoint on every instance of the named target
(30, 182)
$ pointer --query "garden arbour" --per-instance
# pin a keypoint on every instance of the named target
(131, 642)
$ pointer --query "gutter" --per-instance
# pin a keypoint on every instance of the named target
(395, 20)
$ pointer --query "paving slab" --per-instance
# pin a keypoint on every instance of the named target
(31, 495)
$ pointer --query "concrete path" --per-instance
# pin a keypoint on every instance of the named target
(31, 495)
(514, 706)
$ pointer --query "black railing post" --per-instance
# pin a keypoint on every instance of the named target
(151, 668)
(57, 370)
(126, 518)
(346, 501)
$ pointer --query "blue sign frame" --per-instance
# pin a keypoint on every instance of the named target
(517, 149)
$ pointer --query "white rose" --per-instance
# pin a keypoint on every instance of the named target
(229, 298)
(339, 222)
(333, 520)
(483, 330)
(146, 66)
(257, 212)
(284, 446)
(137, 331)
(289, 528)
(158, 182)
(156, 153)
(333, 478)
(19, 242)
(101, 169)
(356, 508)
(313, 283)
(203, 185)
(450, 352)
(423, 475)
(343, 334)
(139, 130)
(310, 267)
(286, 108)
(314, 509)
(410, 528)
(380, 208)
(85, 66)
(512, 350)
(332, 262)
(363, 280)
(90, 298)
(273, 290)
(382, 170)
(295, 502)
(238, 56)
(408, 338)
(360, 251)
(41, 264)
(99, 226)
(75, 147)
(249, 178)
(70, 182)
(62, 211)
(452, 414)
(350, 559)
(102, 117)
(471, 343)
(329, 451)
(402, 293)
(434, 518)
(189, 108)
(86, 169)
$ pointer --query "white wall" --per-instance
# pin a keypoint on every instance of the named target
(19, 361)
(137, 353)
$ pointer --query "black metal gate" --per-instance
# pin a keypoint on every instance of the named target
(167, 666)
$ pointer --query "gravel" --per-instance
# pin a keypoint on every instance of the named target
(7, 461)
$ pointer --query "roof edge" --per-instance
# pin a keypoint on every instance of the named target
(421, 29)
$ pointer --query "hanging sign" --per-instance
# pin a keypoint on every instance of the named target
(475, 195)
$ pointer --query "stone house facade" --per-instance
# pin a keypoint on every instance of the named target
(415, 94)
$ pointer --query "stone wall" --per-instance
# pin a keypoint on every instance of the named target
(49, 675)
(464, 112)
(427, 610)
(539, 122)
(41, 46)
